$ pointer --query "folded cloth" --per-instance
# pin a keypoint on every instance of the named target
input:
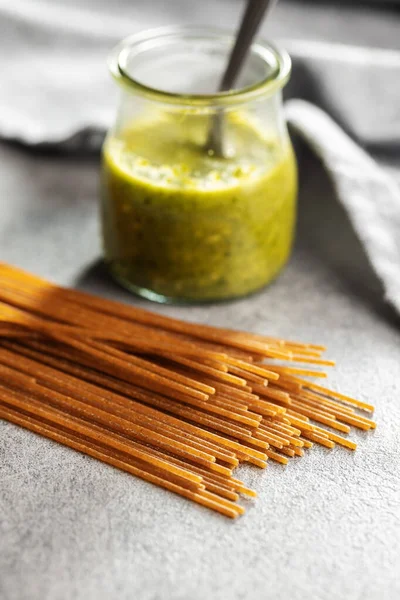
(55, 83)
(55, 89)
(370, 196)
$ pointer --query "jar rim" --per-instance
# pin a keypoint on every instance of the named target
(265, 87)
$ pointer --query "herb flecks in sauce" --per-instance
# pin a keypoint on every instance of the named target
(186, 225)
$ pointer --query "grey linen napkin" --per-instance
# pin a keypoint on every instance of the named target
(370, 196)
(55, 90)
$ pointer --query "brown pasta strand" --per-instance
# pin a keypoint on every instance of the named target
(11, 402)
(175, 403)
(210, 501)
(277, 457)
(317, 436)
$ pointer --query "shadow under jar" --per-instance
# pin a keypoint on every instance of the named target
(180, 223)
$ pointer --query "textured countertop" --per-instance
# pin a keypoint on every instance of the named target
(327, 527)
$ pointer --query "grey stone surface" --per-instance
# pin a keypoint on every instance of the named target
(327, 527)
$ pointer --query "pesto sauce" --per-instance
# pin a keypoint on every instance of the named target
(184, 225)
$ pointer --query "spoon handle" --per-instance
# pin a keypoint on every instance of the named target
(251, 20)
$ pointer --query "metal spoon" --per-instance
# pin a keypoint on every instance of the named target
(251, 20)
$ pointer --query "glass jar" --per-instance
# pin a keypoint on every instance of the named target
(180, 221)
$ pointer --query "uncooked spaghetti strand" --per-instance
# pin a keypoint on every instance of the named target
(221, 412)
(321, 400)
(261, 464)
(333, 394)
(290, 439)
(155, 320)
(285, 384)
(226, 397)
(110, 438)
(288, 343)
(342, 411)
(62, 386)
(235, 409)
(232, 404)
(260, 370)
(159, 402)
(69, 355)
(234, 392)
(229, 338)
(159, 426)
(12, 315)
(214, 482)
(317, 437)
(168, 361)
(326, 417)
(49, 417)
(233, 510)
(208, 481)
(339, 439)
(106, 424)
(23, 311)
(208, 500)
(149, 379)
(299, 422)
(221, 399)
(223, 481)
(11, 330)
(345, 417)
(240, 486)
(220, 491)
(262, 406)
(273, 394)
(317, 347)
(304, 353)
(217, 426)
(145, 343)
(297, 451)
(320, 416)
(282, 419)
(219, 366)
(249, 377)
(150, 366)
(215, 373)
(130, 392)
(219, 348)
(312, 361)
(272, 439)
(285, 429)
(287, 451)
(300, 371)
(33, 423)
(283, 460)
(307, 443)
(133, 417)
(291, 412)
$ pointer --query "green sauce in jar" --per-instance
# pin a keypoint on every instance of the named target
(179, 224)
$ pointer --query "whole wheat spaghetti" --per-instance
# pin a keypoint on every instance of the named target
(177, 404)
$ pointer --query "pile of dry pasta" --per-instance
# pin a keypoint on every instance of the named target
(175, 403)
